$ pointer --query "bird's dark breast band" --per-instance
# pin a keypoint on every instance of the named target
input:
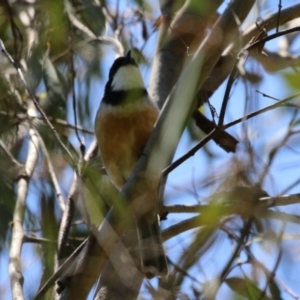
(119, 97)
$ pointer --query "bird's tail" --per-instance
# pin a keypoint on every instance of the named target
(152, 253)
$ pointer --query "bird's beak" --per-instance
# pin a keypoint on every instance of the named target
(128, 56)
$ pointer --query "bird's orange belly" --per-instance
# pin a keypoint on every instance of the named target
(121, 138)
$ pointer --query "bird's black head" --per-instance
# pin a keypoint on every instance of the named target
(125, 83)
(121, 62)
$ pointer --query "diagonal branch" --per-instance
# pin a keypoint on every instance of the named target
(17, 169)
(59, 195)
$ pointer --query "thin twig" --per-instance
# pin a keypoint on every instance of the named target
(232, 77)
(260, 111)
(77, 127)
(36, 240)
(233, 73)
(182, 208)
(67, 218)
(22, 117)
(190, 153)
(269, 22)
(264, 202)
(73, 75)
(285, 287)
(14, 28)
(276, 99)
(179, 228)
(177, 268)
(281, 200)
(61, 200)
(258, 263)
(278, 15)
(61, 270)
(271, 37)
(240, 245)
(276, 264)
(273, 152)
(267, 96)
(207, 138)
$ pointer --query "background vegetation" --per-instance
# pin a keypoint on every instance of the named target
(229, 232)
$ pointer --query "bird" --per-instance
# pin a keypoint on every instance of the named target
(123, 125)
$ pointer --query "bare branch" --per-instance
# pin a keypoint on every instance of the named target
(278, 15)
(181, 227)
(22, 117)
(270, 22)
(15, 270)
(62, 269)
(266, 202)
(260, 111)
(53, 177)
(36, 240)
(67, 218)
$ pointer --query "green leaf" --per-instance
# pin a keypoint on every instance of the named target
(54, 84)
(56, 88)
(91, 16)
(293, 80)
(246, 288)
(34, 66)
(275, 291)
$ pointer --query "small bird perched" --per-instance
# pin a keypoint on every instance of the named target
(123, 125)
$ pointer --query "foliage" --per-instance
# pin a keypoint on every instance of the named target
(229, 231)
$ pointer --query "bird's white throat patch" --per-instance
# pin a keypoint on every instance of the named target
(127, 77)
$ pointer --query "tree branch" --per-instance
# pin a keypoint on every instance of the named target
(15, 269)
